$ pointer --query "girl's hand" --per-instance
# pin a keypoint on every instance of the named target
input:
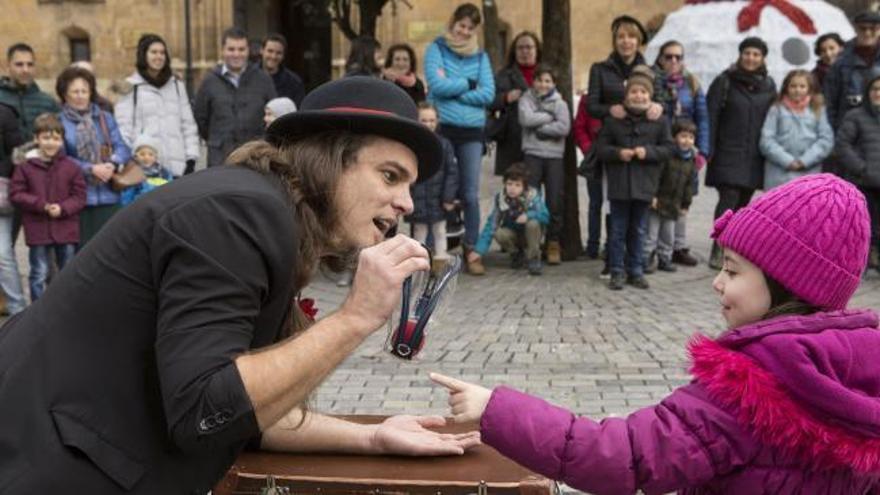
(380, 273)
(468, 401)
(655, 111)
(617, 111)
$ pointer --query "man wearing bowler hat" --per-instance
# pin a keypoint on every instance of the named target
(176, 339)
(844, 84)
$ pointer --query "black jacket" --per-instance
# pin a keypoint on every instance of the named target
(736, 115)
(675, 191)
(290, 85)
(228, 116)
(607, 84)
(10, 137)
(844, 84)
(442, 187)
(858, 143)
(636, 179)
(504, 120)
(121, 378)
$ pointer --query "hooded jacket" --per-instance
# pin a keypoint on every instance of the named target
(858, 142)
(163, 113)
(28, 103)
(787, 405)
(535, 209)
(457, 104)
(545, 123)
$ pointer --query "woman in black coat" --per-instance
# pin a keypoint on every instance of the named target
(167, 344)
(738, 101)
(510, 83)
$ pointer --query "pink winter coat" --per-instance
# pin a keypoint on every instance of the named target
(785, 406)
(36, 184)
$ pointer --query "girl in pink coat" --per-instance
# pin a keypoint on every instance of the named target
(787, 401)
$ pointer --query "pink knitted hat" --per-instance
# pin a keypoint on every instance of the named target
(811, 235)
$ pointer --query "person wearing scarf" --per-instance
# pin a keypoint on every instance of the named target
(514, 79)
(92, 139)
(738, 101)
(158, 106)
(461, 87)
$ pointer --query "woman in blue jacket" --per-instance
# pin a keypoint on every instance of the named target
(92, 139)
(461, 87)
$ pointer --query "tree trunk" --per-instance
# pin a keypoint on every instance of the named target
(370, 10)
(556, 34)
(492, 34)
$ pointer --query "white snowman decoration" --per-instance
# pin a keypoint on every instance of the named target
(711, 30)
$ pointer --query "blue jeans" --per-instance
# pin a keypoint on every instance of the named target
(39, 258)
(627, 236)
(594, 215)
(10, 280)
(470, 161)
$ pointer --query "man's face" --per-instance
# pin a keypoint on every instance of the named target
(373, 193)
(21, 68)
(867, 34)
(235, 54)
(272, 54)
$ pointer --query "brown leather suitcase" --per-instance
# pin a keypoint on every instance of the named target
(480, 470)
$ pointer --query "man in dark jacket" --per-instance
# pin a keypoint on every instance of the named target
(287, 83)
(20, 92)
(10, 281)
(229, 104)
(844, 84)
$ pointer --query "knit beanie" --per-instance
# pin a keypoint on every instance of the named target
(753, 42)
(281, 106)
(145, 140)
(643, 76)
(811, 235)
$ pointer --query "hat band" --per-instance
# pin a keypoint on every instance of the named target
(359, 110)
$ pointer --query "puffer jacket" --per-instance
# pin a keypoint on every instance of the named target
(787, 136)
(163, 114)
(97, 193)
(858, 144)
(457, 104)
(636, 179)
(681, 102)
(28, 103)
(545, 122)
(230, 116)
(429, 195)
(535, 209)
(736, 114)
(783, 406)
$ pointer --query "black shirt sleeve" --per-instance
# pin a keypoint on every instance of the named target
(216, 261)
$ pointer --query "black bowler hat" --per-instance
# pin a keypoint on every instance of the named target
(362, 105)
(615, 25)
(867, 17)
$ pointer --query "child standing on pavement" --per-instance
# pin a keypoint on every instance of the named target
(51, 191)
(545, 123)
(673, 198)
(786, 401)
(633, 149)
(433, 197)
(518, 215)
(146, 156)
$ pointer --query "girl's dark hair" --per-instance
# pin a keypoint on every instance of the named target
(783, 302)
(466, 10)
(389, 59)
(511, 53)
(517, 172)
(362, 56)
(143, 47)
(545, 69)
(825, 37)
(71, 74)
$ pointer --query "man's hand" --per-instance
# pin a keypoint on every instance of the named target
(626, 155)
(640, 152)
(617, 111)
(409, 435)
(380, 273)
(468, 401)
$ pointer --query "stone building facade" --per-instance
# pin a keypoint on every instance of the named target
(106, 32)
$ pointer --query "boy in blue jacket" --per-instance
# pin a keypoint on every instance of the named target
(517, 220)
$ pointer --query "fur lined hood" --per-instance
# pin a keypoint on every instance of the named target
(807, 385)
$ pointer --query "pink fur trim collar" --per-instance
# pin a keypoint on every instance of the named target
(763, 405)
